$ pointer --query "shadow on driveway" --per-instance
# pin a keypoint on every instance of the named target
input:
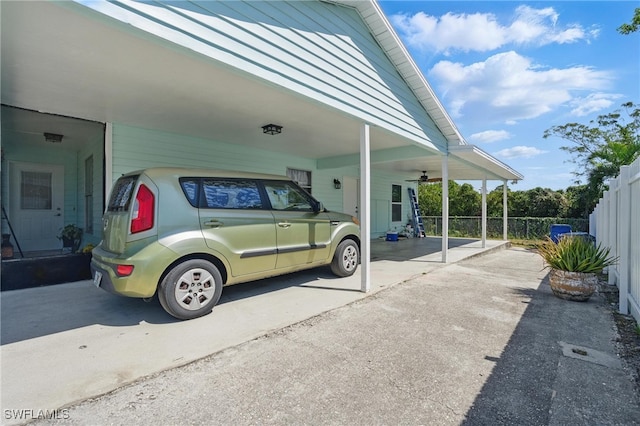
(534, 383)
(36, 312)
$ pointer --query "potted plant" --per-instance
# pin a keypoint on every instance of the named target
(575, 263)
(71, 235)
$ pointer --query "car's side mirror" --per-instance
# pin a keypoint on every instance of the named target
(318, 207)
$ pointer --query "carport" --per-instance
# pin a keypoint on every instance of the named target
(111, 341)
(152, 66)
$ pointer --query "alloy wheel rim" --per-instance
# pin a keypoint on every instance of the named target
(350, 258)
(195, 289)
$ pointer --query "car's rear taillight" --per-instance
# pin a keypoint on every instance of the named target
(142, 216)
(124, 270)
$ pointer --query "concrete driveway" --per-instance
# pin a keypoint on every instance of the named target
(478, 342)
(66, 343)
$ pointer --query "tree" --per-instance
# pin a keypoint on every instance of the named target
(518, 204)
(465, 200)
(577, 199)
(430, 199)
(602, 147)
(633, 26)
(494, 202)
(543, 202)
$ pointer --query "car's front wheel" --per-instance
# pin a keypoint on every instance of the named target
(346, 258)
(191, 289)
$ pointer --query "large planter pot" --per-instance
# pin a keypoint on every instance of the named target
(576, 286)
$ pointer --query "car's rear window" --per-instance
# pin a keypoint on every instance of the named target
(121, 194)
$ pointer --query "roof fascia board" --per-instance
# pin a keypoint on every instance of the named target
(494, 166)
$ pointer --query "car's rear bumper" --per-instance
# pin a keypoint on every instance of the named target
(142, 281)
(125, 286)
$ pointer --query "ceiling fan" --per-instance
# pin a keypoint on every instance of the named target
(424, 178)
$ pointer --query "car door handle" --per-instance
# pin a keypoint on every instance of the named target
(213, 223)
(284, 225)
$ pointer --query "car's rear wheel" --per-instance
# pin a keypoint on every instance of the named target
(346, 258)
(191, 289)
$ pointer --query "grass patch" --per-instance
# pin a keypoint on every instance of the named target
(530, 244)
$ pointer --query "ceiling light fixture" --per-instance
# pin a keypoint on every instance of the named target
(272, 129)
(53, 137)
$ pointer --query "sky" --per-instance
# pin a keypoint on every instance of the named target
(507, 71)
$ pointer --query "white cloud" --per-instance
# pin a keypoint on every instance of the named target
(464, 32)
(509, 87)
(483, 32)
(519, 152)
(489, 136)
(593, 103)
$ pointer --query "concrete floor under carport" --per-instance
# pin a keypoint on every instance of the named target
(66, 343)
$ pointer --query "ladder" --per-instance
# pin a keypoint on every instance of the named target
(418, 226)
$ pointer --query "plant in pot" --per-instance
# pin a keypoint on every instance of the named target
(575, 263)
(71, 235)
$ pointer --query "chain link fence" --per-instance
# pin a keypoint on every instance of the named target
(527, 228)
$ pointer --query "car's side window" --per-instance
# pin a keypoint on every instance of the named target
(230, 194)
(287, 196)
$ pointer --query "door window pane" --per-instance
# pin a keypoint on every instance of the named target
(35, 191)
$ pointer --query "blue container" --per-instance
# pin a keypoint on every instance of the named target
(557, 230)
(392, 236)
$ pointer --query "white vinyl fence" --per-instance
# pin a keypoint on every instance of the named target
(615, 222)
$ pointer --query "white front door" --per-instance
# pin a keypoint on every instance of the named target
(36, 209)
(351, 196)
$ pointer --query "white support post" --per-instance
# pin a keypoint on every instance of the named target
(484, 212)
(505, 211)
(445, 208)
(108, 159)
(365, 208)
(624, 239)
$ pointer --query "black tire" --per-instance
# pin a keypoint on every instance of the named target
(346, 258)
(179, 288)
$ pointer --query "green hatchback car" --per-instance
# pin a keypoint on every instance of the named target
(186, 233)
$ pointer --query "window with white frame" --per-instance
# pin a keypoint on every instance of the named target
(301, 177)
(396, 203)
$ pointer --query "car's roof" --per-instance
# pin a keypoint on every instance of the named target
(157, 172)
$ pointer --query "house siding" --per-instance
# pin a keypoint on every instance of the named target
(136, 148)
(318, 50)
